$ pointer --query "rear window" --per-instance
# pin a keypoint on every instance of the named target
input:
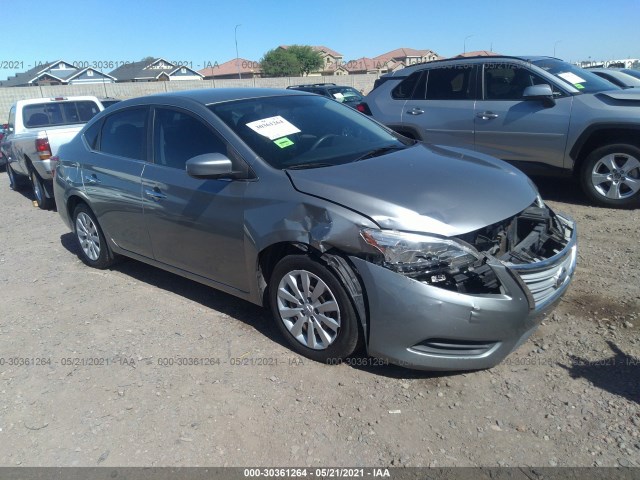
(59, 113)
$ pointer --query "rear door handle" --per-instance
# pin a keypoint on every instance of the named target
(415, 111)
(487, 115)
(154, 193)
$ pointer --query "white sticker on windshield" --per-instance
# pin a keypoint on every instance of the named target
(571, 77)
(273, 127)
(338, 96)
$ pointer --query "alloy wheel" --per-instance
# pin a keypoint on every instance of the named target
(308, 309)
(616, 176)
(88, 237)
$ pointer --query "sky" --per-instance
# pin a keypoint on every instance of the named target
(202, 33)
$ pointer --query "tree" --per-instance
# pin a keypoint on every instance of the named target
(309, 60)
(295, 60)
(279, 63)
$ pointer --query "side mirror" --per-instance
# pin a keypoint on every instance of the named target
(541, 93)
(209, 165)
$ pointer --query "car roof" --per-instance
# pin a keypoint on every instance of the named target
(475, 59)
(207, 96)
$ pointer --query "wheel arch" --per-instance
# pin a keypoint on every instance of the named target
(72, 203)
(337, 262)
(600, 135)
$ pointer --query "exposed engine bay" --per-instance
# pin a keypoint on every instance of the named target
(532, 236)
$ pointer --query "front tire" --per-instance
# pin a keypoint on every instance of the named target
(610, 176)
(43, 202)
(94, 250)
(313, 310)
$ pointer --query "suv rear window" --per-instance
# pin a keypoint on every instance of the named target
(446, 83)
(450, 83)
(59, 113)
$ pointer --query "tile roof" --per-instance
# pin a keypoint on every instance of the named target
(403, 53)
(231, 68)
(477, 53)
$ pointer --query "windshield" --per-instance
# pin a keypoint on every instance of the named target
(583, 80)
(306, 131)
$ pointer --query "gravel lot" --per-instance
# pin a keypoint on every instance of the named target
(570, 396)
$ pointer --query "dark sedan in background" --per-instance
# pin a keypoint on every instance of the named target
(617, 76)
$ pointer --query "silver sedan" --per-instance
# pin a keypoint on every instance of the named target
(353, 236)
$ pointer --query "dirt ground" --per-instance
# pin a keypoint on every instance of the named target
(570, 396)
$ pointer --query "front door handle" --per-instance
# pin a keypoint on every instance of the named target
(487, 115)
(92, 180)
(415, 111)
(154, 193)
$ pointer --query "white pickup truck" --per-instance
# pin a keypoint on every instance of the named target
(36, 129)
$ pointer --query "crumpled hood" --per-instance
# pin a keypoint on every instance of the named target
(440, 190)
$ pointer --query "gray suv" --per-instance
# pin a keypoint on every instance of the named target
(541, 114)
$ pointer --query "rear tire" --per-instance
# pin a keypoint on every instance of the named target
(610, 176)
(44, 202)
(94, 250)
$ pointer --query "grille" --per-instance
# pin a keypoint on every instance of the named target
(547, 281)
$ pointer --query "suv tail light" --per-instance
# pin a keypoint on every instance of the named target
(43, 148)
(363, 108)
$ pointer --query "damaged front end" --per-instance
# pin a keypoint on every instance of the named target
(537, 246)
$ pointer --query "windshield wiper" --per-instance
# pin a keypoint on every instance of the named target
(304, 166)
(378, 151)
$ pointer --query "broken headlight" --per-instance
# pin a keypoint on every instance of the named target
(441, 262)
(412, 254)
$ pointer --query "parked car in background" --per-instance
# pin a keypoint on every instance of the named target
(36, 129)
(631, 71)
(108, 101)
(347, 95)
(432, 258)
(617, 77)
(541, 114)
(3, 159)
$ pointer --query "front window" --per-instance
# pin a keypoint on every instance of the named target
(306, 131)
(508, 82)
(179, 137)
(583, 80)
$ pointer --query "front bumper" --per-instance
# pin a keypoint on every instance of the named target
(420, 326)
